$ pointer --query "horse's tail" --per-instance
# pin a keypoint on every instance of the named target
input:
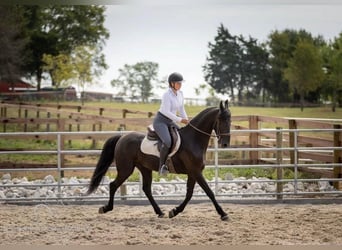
(106, 159)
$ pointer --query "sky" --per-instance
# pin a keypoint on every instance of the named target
(176, 36)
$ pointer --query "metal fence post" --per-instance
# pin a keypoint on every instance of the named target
(216, 164)
(59, 164)
(295, 163)
(280, 171)
(337, 156)
(60, 128)
(292, 125)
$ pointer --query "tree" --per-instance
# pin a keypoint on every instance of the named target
(333, 68)
(235, 63)
(60, 68)
(137, 80)
(59, 30)
(282, 45)
(84, 60)
(221, 69)
(11, 43)
(304, 72)
(253, 68)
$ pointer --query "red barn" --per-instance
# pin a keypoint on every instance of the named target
(18, 85)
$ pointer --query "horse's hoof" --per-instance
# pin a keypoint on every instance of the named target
(172, 213)
(101, 210)
(161, 215)
(225, 218)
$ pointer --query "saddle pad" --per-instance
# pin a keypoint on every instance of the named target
(151, 147)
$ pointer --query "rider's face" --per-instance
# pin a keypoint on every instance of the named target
(177, 85)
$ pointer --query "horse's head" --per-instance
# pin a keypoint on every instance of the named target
(222, 127)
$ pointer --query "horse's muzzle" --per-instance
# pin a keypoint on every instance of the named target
(225, 142)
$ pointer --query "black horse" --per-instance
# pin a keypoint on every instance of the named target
(188, 159)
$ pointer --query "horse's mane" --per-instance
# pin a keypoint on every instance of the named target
(202, 114)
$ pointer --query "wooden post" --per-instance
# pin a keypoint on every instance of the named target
(280, 171)
(3, 112)
(4, 115)
(101, 113)
(4, 129)
(19, 111)
(48, 114)
(93, 146)
(338, 156)
(243, 152)
(292, 125)
(124, 112)
(70, 130)
(253, 139)
(78, 124)
(38, 115)
(122, 126)
(123, 191)
(26, 116)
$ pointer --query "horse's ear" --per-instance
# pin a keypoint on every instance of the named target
(221, 106)
(226, 104)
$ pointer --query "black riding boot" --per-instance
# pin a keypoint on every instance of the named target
(164, 152)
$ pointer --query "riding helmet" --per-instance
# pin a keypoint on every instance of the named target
(175, 77)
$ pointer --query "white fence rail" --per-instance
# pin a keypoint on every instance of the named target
(60, 189)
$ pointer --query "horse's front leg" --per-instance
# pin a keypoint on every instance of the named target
(204, 185)
(189, 191)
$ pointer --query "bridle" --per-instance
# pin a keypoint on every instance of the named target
(218, 135)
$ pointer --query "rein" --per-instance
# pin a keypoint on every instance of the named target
(203, 132)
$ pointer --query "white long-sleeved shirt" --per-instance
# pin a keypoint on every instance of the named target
(172, 105)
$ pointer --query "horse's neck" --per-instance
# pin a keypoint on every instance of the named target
(201, 127)
(205, 122)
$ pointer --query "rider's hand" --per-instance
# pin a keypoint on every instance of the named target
(185, 121)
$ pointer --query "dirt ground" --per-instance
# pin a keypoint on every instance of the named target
(199, 224)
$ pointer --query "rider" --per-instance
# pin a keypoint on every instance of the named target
(171, 111)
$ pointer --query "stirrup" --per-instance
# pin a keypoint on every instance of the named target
(163, 170)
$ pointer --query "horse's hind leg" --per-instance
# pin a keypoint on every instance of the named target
(123, 174)
(189, 192)
(147, 183)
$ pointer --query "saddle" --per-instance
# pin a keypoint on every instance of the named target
(153, 136)
(151, 144)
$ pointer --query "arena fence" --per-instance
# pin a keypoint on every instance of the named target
(281, 156)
